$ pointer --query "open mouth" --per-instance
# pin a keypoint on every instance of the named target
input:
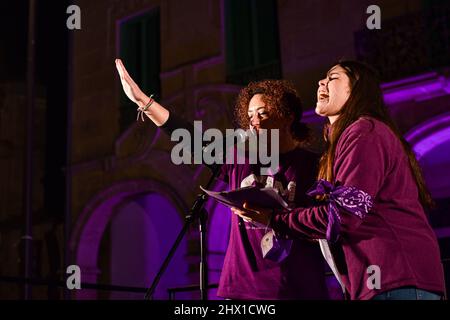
(323, 97)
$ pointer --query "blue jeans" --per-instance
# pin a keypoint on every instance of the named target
(409, 293)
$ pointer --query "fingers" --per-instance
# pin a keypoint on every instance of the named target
(121, 69)
(236, 211)
(249, 209)
(240, 211)
(124, 76)
(246, 215)
(258, 216)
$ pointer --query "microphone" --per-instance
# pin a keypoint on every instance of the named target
(238, 136)
(218, 150)
(211, 148)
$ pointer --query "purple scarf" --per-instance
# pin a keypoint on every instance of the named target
(348, 199)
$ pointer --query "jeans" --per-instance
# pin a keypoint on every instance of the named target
(409, 293)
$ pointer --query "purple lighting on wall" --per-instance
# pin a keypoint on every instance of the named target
(430, 134)
(418, 88)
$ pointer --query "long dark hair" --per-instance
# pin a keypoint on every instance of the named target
(366, 99)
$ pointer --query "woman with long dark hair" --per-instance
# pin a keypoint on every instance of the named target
(374, 196)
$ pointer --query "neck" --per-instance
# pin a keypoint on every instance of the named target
(332, 119)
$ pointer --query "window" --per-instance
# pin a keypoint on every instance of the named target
(252, 45)
(140, 51)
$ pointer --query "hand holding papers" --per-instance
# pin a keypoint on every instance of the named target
(271, 248)
(261, 197)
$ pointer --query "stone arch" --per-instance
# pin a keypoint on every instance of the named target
(431, 142)
(92, 222)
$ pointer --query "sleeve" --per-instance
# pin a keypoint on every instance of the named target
(308, 223)
(362, 162)
(175, 122)
(359, 166)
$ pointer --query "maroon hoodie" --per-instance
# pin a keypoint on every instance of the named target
(395, 235)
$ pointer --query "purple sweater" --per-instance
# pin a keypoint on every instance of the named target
(246, 274)
(395, 235)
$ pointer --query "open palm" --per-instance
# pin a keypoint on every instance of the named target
(131, 89)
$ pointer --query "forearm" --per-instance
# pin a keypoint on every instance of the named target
(309, 223)
(169, 122)
(156, 112)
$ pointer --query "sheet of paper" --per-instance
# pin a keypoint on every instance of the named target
(261, 197)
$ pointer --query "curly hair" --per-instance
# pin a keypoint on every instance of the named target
(281, 99)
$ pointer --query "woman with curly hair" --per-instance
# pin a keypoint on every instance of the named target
(374, 196)
(294, 268)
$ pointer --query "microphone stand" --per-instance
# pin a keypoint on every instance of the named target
(199, 213)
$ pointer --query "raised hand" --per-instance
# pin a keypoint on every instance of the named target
(131, 89)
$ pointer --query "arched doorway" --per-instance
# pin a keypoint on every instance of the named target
(141, 219)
